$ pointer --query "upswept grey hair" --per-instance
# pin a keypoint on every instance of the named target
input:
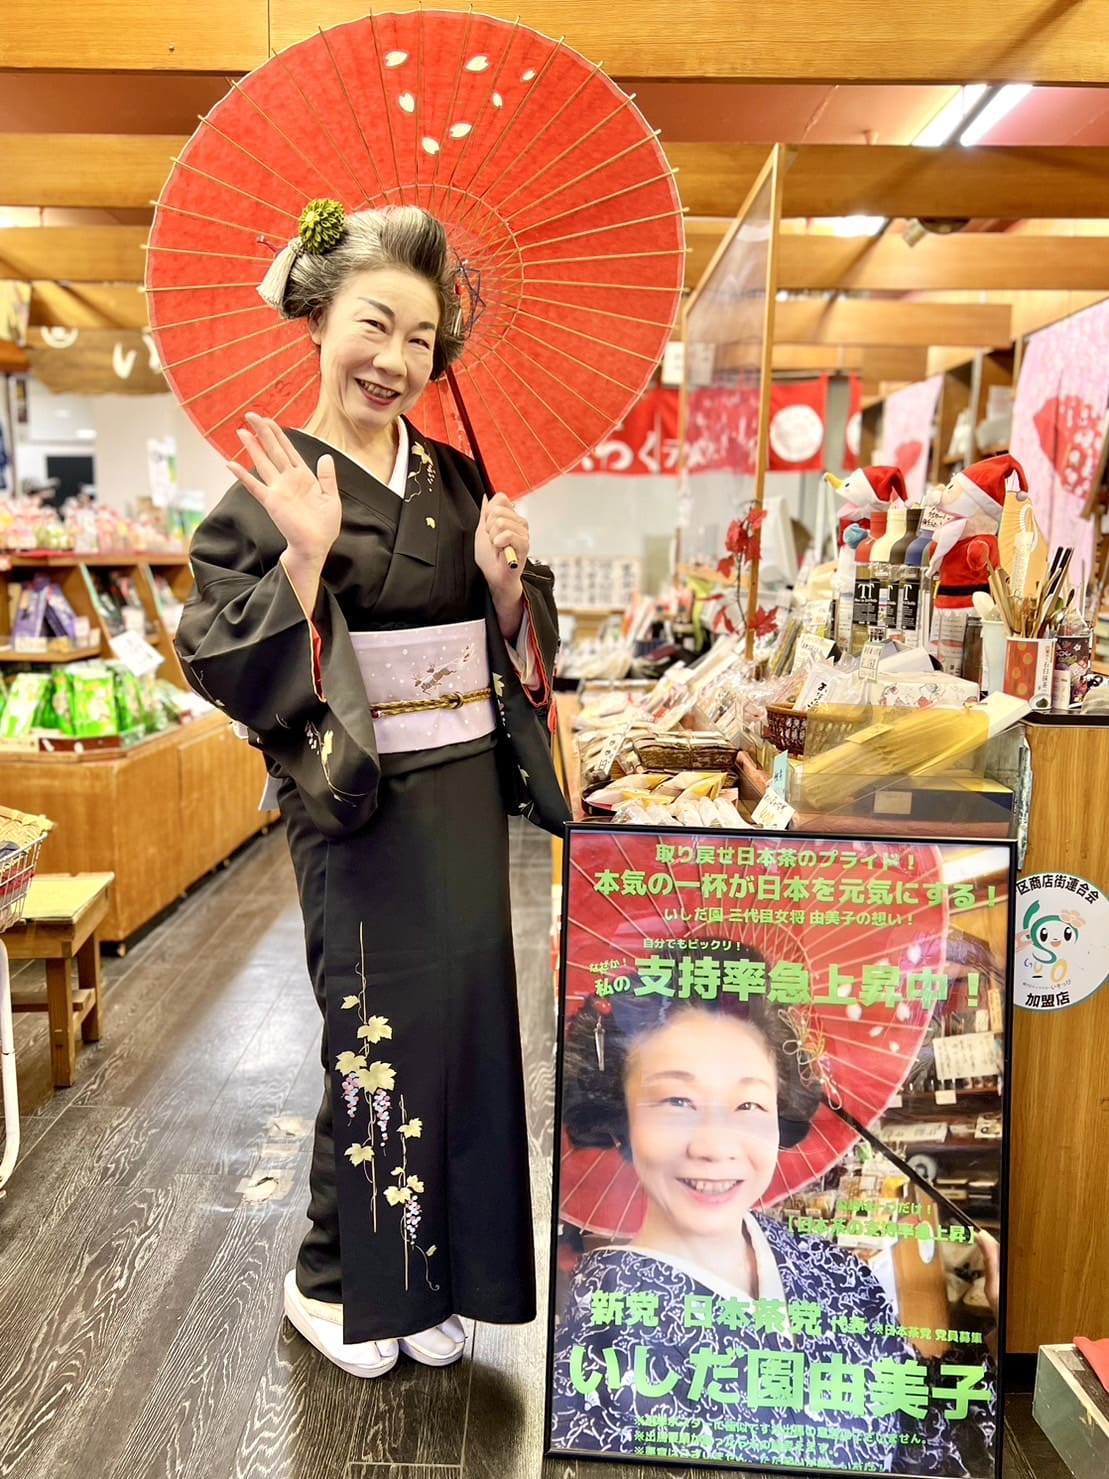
(403, 236)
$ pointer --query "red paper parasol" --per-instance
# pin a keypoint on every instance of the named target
(555, 194)
(866, 1050)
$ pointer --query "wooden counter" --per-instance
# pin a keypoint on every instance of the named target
(158, 815)
(1059, 1182)
(1058, 1227)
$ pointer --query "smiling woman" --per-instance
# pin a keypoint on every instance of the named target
(701, 1095)
(356, 611)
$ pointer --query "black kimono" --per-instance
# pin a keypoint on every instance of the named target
(420, 1204)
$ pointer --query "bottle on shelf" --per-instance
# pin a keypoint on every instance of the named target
(917, 598)
(882, 568)
(865, 611)
(905, 588)
(843, 587)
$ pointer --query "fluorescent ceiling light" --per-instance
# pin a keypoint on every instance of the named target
(856, 225)
(85, 434)
(947, 122)
(994, 111)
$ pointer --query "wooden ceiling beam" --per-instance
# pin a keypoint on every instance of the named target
(127, 171)
(73, 254)
(845, 41)
(857, 321)
(133, 36)
(107, 171)
(88, 306)
(873, 364)
(975, 262)
(898, 180)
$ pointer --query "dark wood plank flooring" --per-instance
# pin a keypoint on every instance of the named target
(158, 1203)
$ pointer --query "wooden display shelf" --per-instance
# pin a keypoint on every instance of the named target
(73, 575)
(67, 559)
(72, 654)
(159, 814)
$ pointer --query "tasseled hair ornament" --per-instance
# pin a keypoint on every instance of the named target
(319, 231)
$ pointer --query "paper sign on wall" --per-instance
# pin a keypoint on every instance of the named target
(136, 654)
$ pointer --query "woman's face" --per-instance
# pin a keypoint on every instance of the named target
(377, 346)
(702, 1100)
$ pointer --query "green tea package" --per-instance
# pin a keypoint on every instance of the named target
(92, 693)
(60, 700)
(154, 710)
(130, 708)
(24, 697)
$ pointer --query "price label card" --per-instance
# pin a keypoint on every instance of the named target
(935, 518)
(773, 812)
(967, 1055)
(810, 649)
(136, 654)
(869, 659)
(779, 776)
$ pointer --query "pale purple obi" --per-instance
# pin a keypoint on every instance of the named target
(426, 663)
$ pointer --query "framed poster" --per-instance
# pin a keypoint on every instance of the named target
(781, 1114)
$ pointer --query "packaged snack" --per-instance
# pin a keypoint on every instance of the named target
(155, 715)
(59, 695)
(130, 709)
(24, 697)
(92, 694)
(30, 612)
(61, 619)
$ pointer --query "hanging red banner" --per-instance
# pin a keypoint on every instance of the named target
(798, 411)
(644, 444)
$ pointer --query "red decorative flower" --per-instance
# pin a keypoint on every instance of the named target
(766, 622)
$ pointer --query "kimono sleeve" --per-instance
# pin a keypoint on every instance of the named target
(244, 641)
(538, 582)
(247, 646)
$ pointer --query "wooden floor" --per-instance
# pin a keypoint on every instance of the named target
(158, 1203)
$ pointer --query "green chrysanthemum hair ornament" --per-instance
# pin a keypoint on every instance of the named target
(319, 231)
(322, 223)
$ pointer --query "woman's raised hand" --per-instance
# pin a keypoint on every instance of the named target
(304, 505)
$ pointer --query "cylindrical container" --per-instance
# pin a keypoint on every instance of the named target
(994, 634)
(1029, 668)
(972, 650)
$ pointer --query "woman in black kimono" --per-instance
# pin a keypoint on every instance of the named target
(355, 610)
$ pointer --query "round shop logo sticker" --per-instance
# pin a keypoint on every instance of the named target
(1062, 947)
(796, 433)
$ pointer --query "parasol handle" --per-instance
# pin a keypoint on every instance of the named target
(903, 1166)
(511, 558)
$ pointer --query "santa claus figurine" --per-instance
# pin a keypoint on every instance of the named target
(863, 491)
(965, 548)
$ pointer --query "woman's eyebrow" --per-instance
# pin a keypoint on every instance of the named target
(390, 315)
(679, 1075)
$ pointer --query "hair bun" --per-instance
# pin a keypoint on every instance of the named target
(321, 226)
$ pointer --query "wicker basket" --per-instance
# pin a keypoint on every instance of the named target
(822, 726)
(21, 837)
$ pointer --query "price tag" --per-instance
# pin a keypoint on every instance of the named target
(773, 813)
(810, 649)
(136, 654)
(779, 776)
(934, 518)
(946, 1096)
(869, 659)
